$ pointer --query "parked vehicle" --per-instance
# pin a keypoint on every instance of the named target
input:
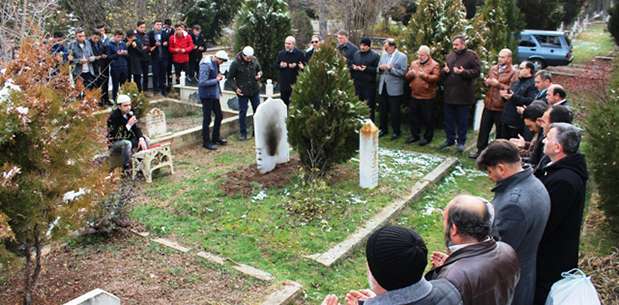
(544, 48)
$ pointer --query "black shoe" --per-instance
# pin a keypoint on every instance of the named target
(382, 133)
(445, 145)
(474, 155)
(424, 142)
(243, 137)
(210, 146)
(221, 142)
(395, 136)
(412, 140)
(460, 148)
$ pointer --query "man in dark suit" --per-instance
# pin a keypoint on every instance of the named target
(158, 49)
(199, 46)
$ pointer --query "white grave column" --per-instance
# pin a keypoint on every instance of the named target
(479, 109)
(368, 155)
(269, 88)
(271, 135)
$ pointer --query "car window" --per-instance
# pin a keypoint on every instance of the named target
(549, 41)
(527, 41)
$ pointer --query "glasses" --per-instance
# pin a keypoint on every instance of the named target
(314, 41)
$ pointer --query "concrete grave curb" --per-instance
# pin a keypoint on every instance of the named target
(346, 247)
(285, 295)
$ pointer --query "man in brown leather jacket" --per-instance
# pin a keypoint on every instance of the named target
(500, 77)
(423, 76)
(483, 270)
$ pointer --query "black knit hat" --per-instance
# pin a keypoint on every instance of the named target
(396, 257)
(366, 41)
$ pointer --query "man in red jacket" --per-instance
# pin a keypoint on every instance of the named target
(180, 46)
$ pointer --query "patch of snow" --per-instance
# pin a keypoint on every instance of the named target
(72, 195)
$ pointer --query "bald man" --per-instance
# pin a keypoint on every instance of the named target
(289, 61)
(484, 271)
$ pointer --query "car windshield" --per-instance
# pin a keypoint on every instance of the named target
(549, 41)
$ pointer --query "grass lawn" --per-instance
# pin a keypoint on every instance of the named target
(258, 230)
(595, 41)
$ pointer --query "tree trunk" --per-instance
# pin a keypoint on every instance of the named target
(322, 18)
(31, 277)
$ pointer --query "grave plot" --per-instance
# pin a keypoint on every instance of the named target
(136, 271)
(219, 203)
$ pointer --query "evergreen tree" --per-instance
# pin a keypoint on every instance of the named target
(613, 23)
(212, 15)
(263, 24)
(325, 115)
(49, 136)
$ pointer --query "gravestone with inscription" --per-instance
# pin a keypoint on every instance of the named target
(156, 123)
(368, 155)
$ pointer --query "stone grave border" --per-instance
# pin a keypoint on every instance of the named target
(284, 293)
(356, 239)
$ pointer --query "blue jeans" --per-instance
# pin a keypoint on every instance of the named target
(255, 101)
(456, 120)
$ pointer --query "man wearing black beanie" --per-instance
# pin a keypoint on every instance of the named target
(396, 259)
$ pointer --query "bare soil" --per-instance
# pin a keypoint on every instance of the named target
(241, 181)
(137, 272)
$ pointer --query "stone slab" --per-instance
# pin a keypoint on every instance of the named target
(285, 295)
(213, 258)
(254, 272)
(346, 247)
(171, 244)
(95, 297)
(143, 234)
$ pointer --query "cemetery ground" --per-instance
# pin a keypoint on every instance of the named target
(216, 203)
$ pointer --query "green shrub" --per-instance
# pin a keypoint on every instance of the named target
(139, 103)
(325, 114)
(602, 126)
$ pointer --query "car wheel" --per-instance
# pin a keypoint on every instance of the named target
(539, 64)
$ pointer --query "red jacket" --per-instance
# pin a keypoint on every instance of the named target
(183, 42)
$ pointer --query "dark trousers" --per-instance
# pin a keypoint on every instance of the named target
(137, 79)
(168, 74)
(285, 94)
(88, 80)
(210, 106)
(367, 92)
(422, 116)
(489, 118)
(193, 68)
(145, 71)
(389, 108)
(243, 105)
(119, 77)
(456, 119)
(177, 71)
(159, 75)
(510, 131)
(103, 84)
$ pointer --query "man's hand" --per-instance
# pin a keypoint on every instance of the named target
(220, 76)
(446, 68)
(354, 296)
(330, 300)
(182, 50)
(292, 65)
(201, 48)
(132, 121)
(259, 75)
(458, 70)
(438, 258)
(491, 82)
(158, 43)
(103, 56)
(362, 67)
(421, 74)
(283, 64)
(142, 144)
(165, 43)
(92, 58)
(505, 94)
(83, 60)
(520, 109)
(239, 92)
(301, 66)
(520, 142)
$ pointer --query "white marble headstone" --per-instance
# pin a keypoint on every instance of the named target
(368, 155)
(271, 135)
(479, 110)
(95, 297)
(156, 123)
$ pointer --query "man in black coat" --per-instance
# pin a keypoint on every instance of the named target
(199, 46)
(142, 38)
(346, 48)
(543, 80)
(565, 178)
(315, 45)
(364, 67)
(100, 51)
(462, 67)
(135, 58)
(159, 55)
(289, 62)
(522, 93)
(123, 134)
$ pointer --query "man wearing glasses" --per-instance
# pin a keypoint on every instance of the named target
(315, 43)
